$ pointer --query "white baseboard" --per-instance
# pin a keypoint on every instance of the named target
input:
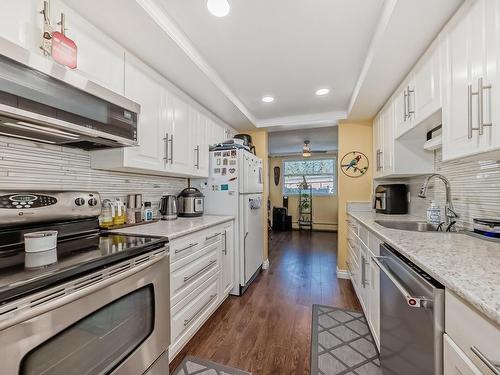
(342, 274)
(265, 265)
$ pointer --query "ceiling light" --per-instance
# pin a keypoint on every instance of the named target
(268, 99)
(219, 8)
(322, 92)
(306, 150)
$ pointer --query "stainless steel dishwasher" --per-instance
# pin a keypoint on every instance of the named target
(411, 317)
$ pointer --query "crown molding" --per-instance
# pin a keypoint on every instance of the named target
(168, 25)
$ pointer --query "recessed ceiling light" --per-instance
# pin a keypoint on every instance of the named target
(219, 8)
(322, 92)
(268, 99)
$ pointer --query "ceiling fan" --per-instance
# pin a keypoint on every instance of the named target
(306, 150)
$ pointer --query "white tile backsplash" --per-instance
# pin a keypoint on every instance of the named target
(475, 188)
(26, 165)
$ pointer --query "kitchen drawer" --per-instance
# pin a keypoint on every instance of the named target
(354, 248)
(352, 239)
(189, 244)
(374, 244)
(189, 272)
(190, 314)
(363, 235)
(472, 332)
(352, 224)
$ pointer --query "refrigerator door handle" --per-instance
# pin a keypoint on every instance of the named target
(245, 256)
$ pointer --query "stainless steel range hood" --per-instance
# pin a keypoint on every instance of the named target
(43, 101)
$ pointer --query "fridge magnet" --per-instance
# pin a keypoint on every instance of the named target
(233, 153)
(232, 170)
(225, 162)
(224, 171)
(218, 161)
(232, 162)
(216, 170)
(354, 164)
(217, 154)
(226, 154)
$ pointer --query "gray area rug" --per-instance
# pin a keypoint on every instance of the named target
(193, 365)
(341, 343)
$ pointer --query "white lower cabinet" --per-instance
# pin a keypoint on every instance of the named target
(364, 274)
(474, 339)
(201, 269)
(455, 360)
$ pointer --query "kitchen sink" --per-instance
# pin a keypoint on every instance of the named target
(414, 226)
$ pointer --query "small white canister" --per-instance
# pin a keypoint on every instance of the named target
(36, 242)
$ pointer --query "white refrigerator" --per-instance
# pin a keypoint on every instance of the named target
(235, 188)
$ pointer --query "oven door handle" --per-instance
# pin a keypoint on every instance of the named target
(412, 301)
(60, 295)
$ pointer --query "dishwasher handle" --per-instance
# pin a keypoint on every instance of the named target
(412, 301)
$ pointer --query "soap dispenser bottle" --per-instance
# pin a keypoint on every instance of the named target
(434, 214)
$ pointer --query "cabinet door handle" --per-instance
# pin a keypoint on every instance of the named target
(364, 282)
(495, 367)
(195, 315)
(187, 278)
(381, 160)
(405, 109)
(410, 112)
(224, 249)
(166, 140)
(471, 93)
(171, 140)
(177, 251)
(480, 98)
(197, 149)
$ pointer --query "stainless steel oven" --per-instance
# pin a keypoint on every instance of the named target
(114, 320)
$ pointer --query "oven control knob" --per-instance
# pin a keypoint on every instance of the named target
(79, 201)
(92, 202)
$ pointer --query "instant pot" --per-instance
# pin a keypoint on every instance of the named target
(191, 202)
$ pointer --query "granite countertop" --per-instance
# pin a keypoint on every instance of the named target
(468, 266)
(175, 228)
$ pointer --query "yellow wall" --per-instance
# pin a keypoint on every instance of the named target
(353, 137)
(325, 208)
(260, 141)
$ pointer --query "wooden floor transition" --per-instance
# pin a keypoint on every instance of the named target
(267, 330)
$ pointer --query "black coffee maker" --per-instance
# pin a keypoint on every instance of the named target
(391, 199)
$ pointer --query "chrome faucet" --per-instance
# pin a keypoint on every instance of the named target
(449, 211)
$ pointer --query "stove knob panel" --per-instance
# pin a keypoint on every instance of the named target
(79, 201)
(92, 202)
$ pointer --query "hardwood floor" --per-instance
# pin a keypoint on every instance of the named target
(267, 330)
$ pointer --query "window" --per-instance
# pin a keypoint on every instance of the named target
(320, 173)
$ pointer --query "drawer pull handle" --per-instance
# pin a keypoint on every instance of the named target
(177, 251)
(187, 278)
(495, 367)
(212, 236)
(188, 321)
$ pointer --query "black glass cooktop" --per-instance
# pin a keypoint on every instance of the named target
(76, 256)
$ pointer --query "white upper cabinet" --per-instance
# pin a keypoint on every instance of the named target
(387, 118)
(142, 87)
(173, 135)
(201, 143)
(180, 144)
(472, 46)
(425, 88)
(420, 95)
